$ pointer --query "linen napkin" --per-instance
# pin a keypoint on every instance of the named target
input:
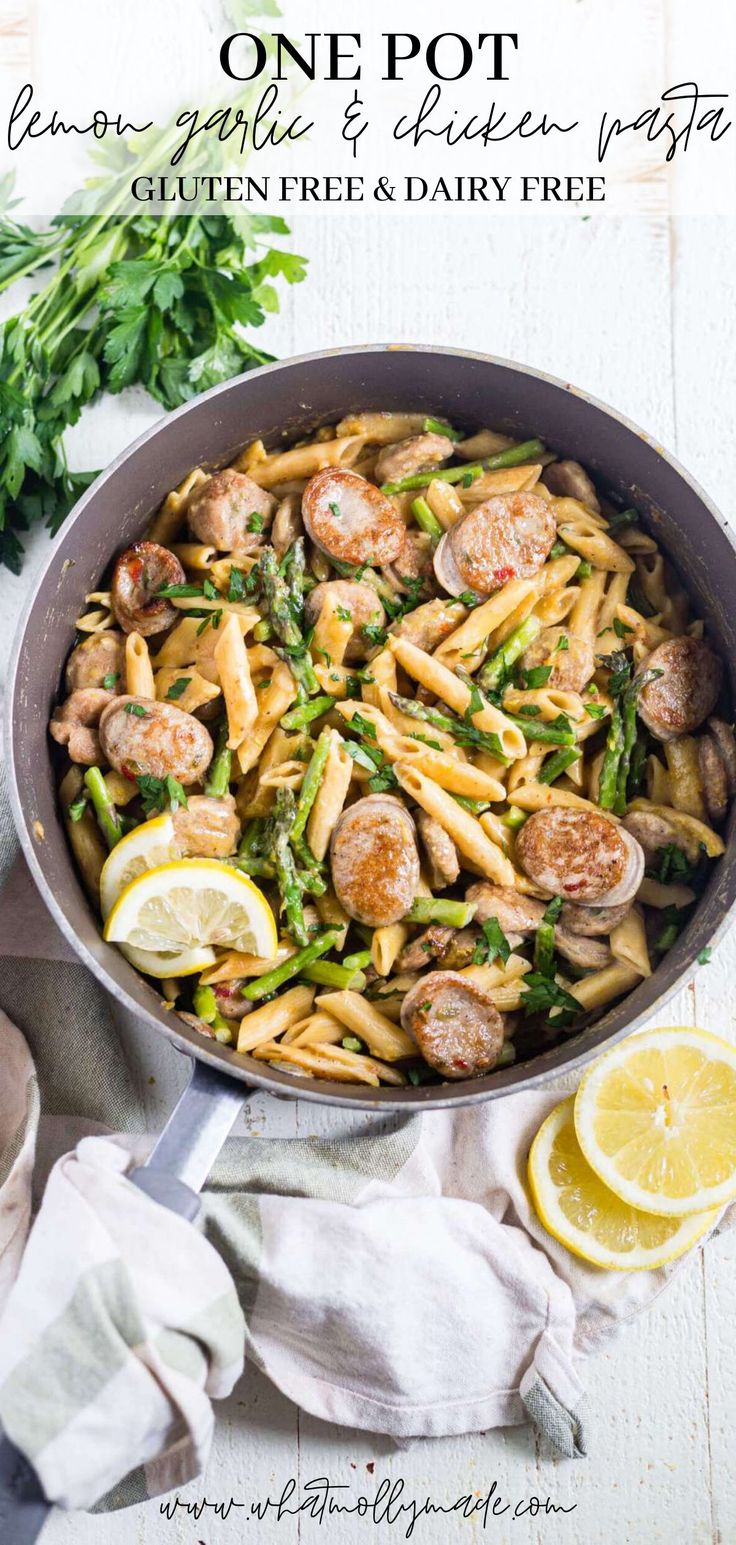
(394, 1279)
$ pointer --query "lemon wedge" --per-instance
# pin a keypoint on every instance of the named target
(190, 903)
(578, 1210)
(656, 1120)
(167, 963)
(146, 847)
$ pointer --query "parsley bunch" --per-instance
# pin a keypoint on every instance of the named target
(156, 301)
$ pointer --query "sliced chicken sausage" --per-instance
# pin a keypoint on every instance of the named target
(221, 509)
(723, 735)
(363, 604)
(568, 480)
(653, 832)
(207, 827)
(374, 860)
(713, 777)
(456, 1026)
(75, 724)
(350, 519)
(139, 736)
(571, 660)
(590, 922)
(99, 661)
(420, 453)
(679, 700)
(440, 850)
(507, 537)
(588, 954)
(581, 856)
(141, 572)
(513, 912)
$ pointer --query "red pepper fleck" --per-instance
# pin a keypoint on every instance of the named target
(460, 1062)
(574, 885)
(501, 575)
(128, 773)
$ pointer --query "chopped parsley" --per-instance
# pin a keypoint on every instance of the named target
(671, 864)
(177, 688)
(621, 628)
(236, 588)
(209, 619)
(595, 710)
(108, 681)
(179, 590)
(137, 709)
(584, 569)
(672, 917)
(343, 614)
(351, 1042)
(374, 633)
(562, 645)
(542, 994)
(622, 519)
(538, 676)
(210, 591)
(364, 726)
(157, 793)
(335, 510)
(77, 808)
(255, 523)
(704, 956)
(493, 945)
(469, 598)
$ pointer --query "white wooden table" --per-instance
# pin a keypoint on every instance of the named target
(643, 314)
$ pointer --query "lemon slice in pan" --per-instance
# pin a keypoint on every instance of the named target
(147, 847)
(190, 903)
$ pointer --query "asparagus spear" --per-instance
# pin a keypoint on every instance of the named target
(558, 764)
(217, 782)
(108, 817)
(495, 668)
(294, 566)
(465, 734)
(426, 520)
(327, 974)
(305, 713)
(628, 716)
(307, 795)
(277, 599)
(608, 780)
(205, 1008)
(285, 866)
(358, 961)
(555, 732)
(435, 426)
(513, 457)
(263, 986)
(431, 909)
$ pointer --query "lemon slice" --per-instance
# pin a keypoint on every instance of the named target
(193, 902)
(162, 963)
(147, 847)
(578, 1210)
(656, 1120)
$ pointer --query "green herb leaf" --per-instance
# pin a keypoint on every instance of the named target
(254, 524)
(108, 681)
(136, 709)
(538, 676)
(236, 590)
(177, 688)
(493, 946)
(76, 809)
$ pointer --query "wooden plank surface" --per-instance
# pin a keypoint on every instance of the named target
(641, 313)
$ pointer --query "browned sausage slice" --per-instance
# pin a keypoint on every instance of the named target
(75, 724)
(568, 480)
(507, 537)
(588, 954)
(139, 736)
(440, 850)
(581, 856)
(350, 519)
(686, 692)
(513, 912)
(407, 457)
(457, 1028)
(571, 666)
(360, 600)
(713, 777)
(592, 921)
(207, 827)
(724, 736)
(221, 509)
(99, 661)
(374, 860)
(653, 832)
(139, 574)
(428, 945)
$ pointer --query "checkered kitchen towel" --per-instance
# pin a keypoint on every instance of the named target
(394, 1279)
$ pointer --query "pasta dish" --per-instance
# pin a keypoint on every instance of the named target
(393, 755)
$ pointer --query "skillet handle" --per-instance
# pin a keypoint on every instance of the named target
(173, 1175)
